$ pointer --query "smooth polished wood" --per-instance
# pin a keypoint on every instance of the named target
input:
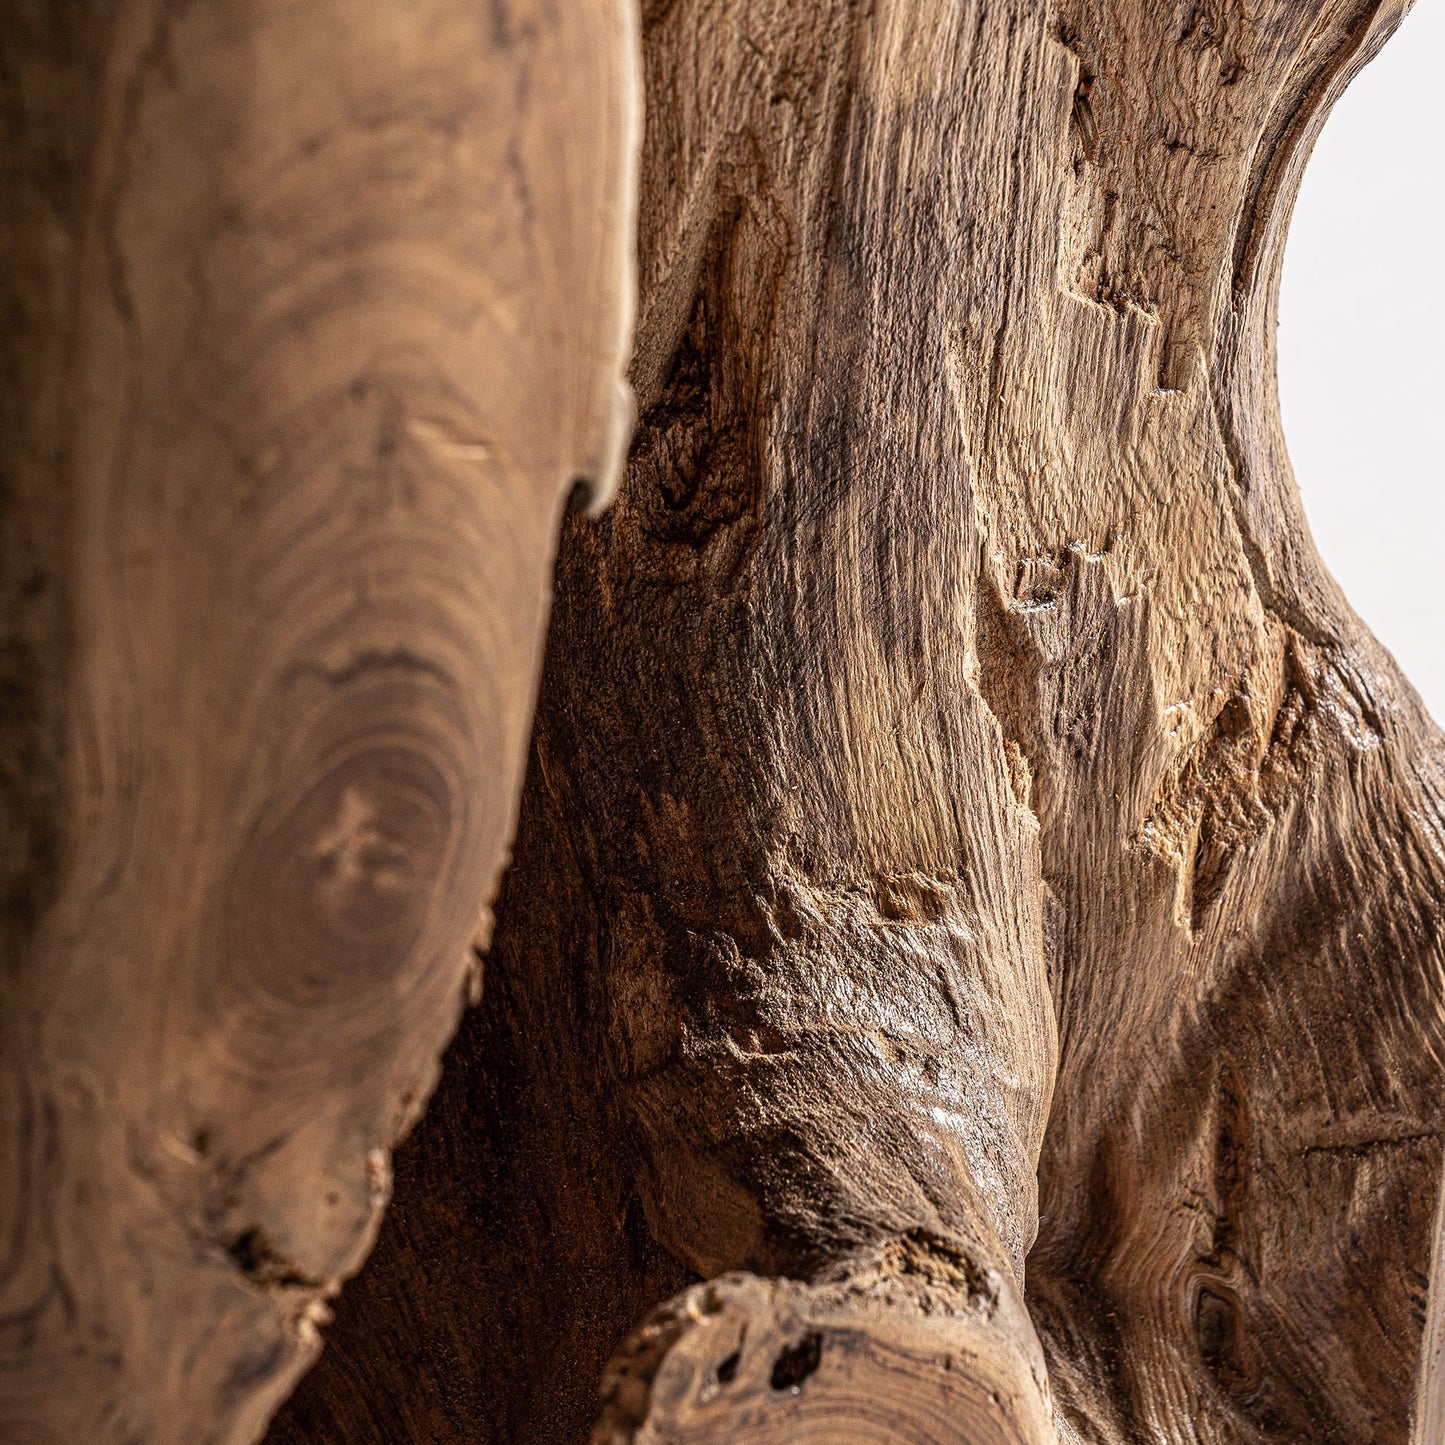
(316, 316)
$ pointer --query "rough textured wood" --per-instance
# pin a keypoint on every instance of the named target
(913, 1347)
(961, 807)
(314, 316)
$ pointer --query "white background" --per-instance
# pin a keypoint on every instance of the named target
(1362, 347)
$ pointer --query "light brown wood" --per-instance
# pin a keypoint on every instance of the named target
(961, 807)
(914, 1344)
(315, 316)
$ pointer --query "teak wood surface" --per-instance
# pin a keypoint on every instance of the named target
(970, 969)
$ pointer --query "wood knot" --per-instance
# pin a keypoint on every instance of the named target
(332, 897)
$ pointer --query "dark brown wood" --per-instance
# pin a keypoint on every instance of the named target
(314, 316)
(965, 822)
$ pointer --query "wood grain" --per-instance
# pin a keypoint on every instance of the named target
(318, 315)
(971, 968)
(915, 1345)
(961, 804)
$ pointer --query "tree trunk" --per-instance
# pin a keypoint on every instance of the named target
(977, 895)
(314, 315)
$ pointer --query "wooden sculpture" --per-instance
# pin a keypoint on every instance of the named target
(315, 316)
(977, 897)
(971, 965)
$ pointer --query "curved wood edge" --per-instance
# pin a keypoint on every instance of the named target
(921, 1346)
(347, 300)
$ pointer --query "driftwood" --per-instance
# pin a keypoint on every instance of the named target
(971, 967)
(978, 887)
(315, 315)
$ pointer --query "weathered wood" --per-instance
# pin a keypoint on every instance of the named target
(962, 808)
(917, 1345)
(315, 314)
